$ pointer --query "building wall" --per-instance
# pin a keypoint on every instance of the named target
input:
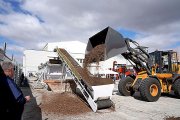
(75, 48)
(33, 58)
(70, 46)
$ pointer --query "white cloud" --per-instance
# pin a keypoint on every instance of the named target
(20, 26)
(158, 41)
(157, 21)
(15, 48)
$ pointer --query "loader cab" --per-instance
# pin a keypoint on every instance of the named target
(166, 61)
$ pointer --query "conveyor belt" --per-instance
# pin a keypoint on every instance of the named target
(82, 73)
(80, 77)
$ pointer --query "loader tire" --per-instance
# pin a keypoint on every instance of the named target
(177, 88)
(150, 89)
(123, 86)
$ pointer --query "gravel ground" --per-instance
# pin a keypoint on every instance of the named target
(126, 108)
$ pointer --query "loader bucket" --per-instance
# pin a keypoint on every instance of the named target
(113, 41)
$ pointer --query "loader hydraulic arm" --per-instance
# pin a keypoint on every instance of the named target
(137, 55)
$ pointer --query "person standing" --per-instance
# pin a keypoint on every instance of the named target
(22, 79)
(12, 99)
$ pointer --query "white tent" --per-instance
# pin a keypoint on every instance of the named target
(107, 72)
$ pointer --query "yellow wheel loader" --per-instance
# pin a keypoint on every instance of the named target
(157, 72)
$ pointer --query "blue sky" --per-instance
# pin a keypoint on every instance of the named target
(9, 44)
(30, 24)
(128, 33)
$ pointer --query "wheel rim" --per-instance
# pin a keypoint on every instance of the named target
(153, 90)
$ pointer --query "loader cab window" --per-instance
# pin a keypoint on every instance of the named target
(164, 61)
(165, 66)
(174, 62)
(168, 61)
(156, 60)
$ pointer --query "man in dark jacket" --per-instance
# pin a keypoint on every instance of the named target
(12, 99)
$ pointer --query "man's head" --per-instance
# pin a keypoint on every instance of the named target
(8, 69)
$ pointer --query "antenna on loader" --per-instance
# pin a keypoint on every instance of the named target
(5, 47)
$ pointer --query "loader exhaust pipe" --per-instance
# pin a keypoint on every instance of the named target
(113, 41)
(5, 48)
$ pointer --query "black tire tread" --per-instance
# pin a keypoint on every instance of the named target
(145, 94)
(121, 86)
(177, 88)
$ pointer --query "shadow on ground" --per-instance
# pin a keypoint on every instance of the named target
(170, 95)
(137, 95)
(31, 109)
